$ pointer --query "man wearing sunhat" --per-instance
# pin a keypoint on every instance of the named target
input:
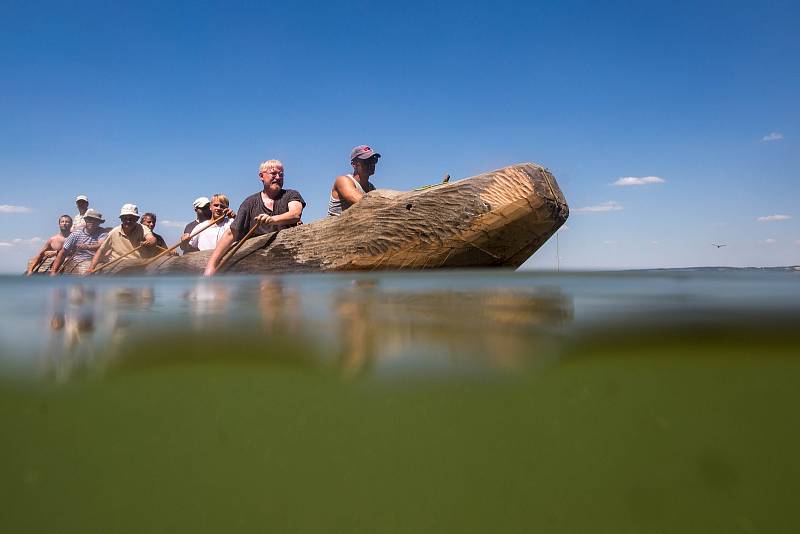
(82, 244)
(82, 202)
(202, 210)
(350, 188)
(124, 240)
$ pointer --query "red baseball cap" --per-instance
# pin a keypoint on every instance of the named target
(362, 152)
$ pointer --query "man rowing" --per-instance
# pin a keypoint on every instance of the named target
(350, 188)
(202, 210)
(205, 236)
(82, 203)
(125, 239)
(82, 244)
(149, 221)
(51, 246)
(269, 210)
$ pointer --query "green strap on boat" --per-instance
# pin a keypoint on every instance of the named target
(444, 181)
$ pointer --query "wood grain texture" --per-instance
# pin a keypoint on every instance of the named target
(499, 218)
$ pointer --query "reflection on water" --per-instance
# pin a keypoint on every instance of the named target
(357, 326)
(86, 325)
(363, 325)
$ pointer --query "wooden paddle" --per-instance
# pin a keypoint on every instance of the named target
(37, 265)
(182, 241)
(237, 246)
(103, 266)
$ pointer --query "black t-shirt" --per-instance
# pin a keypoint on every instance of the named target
(253, 206)
(185, 246)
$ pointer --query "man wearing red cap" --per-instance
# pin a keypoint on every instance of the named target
(350, 188)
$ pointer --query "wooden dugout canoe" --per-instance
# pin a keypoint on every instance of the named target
(495, 219)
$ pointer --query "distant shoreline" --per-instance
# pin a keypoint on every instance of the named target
(788, 268)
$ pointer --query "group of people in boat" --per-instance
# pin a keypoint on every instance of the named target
(87, 246)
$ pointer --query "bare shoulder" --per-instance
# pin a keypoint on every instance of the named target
(343, 182)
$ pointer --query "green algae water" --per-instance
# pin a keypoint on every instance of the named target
(424, 402)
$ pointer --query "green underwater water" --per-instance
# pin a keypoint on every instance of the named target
(439, 403)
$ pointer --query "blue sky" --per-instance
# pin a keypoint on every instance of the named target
(158, 103)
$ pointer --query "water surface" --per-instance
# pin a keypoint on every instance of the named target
(463, 402)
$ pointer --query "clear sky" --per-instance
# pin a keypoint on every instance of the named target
(157, 103)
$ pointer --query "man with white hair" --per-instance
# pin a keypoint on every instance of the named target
(82, 202)
(124, 239)
(271, 209)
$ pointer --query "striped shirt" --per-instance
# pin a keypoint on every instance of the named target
(81, 237)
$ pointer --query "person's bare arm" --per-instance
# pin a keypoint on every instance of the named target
(149, 239)
(57, 262)
(347, 190)
(99, 254)
(92, 247)
(38, 257)
(222, 247)
(285, 219)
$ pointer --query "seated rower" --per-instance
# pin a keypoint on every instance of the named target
(122, 240)
(51, 246)
(82, 203)
(205, 236)
(202, 210)
(82, 244)
(350, 188)
(271, 209)
(149, 221)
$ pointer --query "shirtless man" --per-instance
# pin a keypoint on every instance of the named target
(350, 188)
(270, 209)
(52, 245)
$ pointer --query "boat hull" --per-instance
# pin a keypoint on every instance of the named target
(496, 219)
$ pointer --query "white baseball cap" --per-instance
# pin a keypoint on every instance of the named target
(201, 201)
(82, 197)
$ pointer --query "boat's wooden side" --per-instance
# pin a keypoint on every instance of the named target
(498, 218)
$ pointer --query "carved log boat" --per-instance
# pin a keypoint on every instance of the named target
(499, 218)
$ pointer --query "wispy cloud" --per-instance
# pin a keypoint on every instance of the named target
(777, 217)
(654, 242)
(605, 206)
(773, 136)
(19, 241)
(634, 180)
(609, 242)
(769, 241)
(7, 208)
(172, 224)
